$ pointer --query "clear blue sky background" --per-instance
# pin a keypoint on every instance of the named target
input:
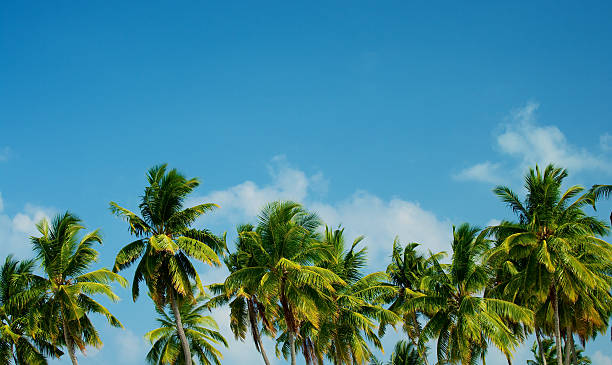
(392, 117)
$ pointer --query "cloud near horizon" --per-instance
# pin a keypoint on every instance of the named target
(527, 143)
(361, 213)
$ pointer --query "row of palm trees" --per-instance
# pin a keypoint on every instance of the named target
(302, 284)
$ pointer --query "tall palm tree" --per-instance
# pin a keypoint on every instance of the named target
(67, 285)
(201, 331)
(344, 335)
(406, 270)
(246, 308)
(287, 246)
(463, 322)
(555, 245)
(165, 242)
(22, 341)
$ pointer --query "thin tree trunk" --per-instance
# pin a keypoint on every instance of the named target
(425, 358)
(180, 329)
(69, 344)
(289, 320)
(537, 333)
(255, 331)
(557, 327)
(574, 358)
(509, 359)
(292, 345)
(567, 348)
(263, 351)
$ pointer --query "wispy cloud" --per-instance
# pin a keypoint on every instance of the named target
(523, 142)
(15, 230)
(131, 348)
(5, 153)
(601, 359)
(486, 172)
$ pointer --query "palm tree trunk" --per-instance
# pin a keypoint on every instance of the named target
(255, 331)
(509, 359)
(292, 345)
(567, 348)
(557, 328)
(69, 344)
(537, 333)
(289, 320)
(180, 329)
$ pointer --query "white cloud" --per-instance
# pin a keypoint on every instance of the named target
(381, 220)
(15, 231)
(5, 153)
(485, 172)
(361, 213)
(600, 359)
(528, 143)
(493, 222)
(130, 348)
(247, 198)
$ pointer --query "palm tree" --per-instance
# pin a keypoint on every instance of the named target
(462, 322)
(247, 310)
(543, 353)
(165, 242)
(554, 248)
(201, 332)
(21, 339)
(285, 249)
(66, 284)
(406, 270)
(343, 334)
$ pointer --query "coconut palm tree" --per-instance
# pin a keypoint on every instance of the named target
(66, 284)
(287, 246)
(166, 242)
(344, 334)
(246, 309)
(463, 322)
(543, 353)
(406, 270)
(201, 332)
(22, 341)
(553, 247)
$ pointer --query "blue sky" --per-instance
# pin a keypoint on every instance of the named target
(392, 118)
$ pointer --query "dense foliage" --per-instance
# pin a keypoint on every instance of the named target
(300, 283)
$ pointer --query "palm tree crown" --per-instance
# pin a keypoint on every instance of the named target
(67, 283)
(22, 341)
(165, 242)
